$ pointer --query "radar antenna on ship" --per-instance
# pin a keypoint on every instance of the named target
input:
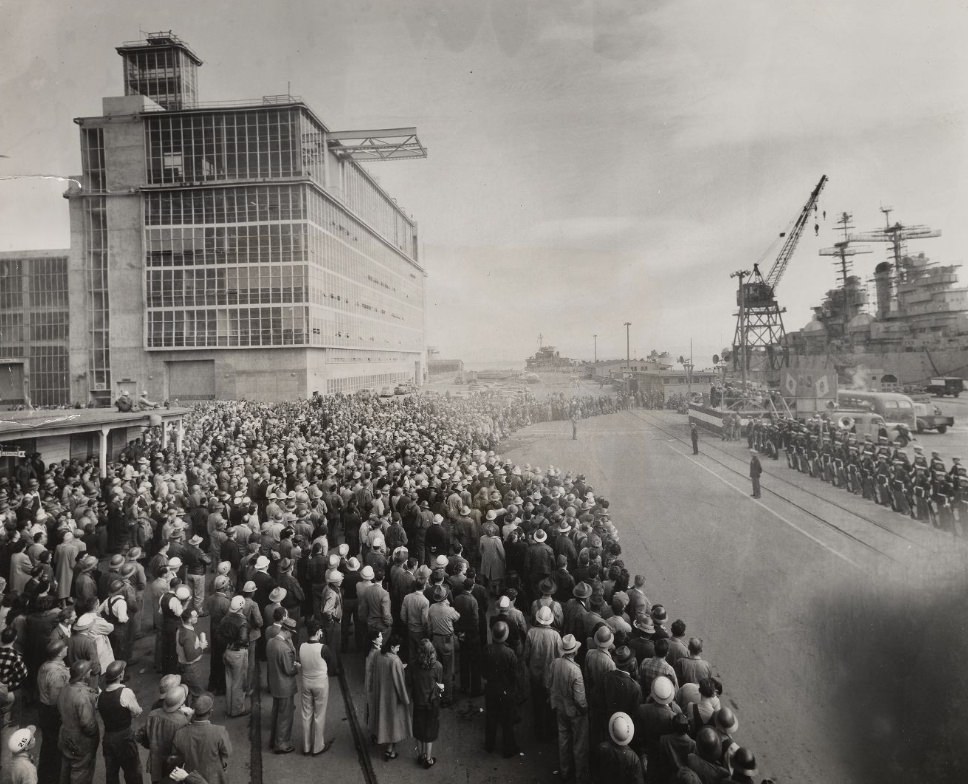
(896, 236)
(844, 253)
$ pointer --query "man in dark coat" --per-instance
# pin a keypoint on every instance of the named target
(80, 733)
(282, 668)
(617, 763)
(500, 701)
(205, 746)
(755, 471)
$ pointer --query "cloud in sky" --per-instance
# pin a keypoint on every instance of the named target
(588, 159)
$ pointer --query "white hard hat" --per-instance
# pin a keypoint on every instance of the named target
(663, 692)
(20, 740)
(621, 728)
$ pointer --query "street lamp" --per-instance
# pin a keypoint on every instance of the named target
(596, 348)
(628, 356)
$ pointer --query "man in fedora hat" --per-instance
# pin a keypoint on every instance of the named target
(500, 698)
(598, 663)
(282, 666)
(205, 747)
(539, 562)
(190, 647)
(80, 733)
(415, 611)
(566, 690)
(234, 633)
(219, 603)
(621, 690)
(85, 586)
(575, 609)
(196, 563)
(157, 734)
(541, 646)
(441, 618)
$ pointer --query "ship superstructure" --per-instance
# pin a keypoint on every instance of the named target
(909, 323)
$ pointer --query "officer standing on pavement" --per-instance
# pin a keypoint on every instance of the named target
(755, 470)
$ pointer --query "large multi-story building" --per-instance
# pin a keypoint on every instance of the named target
(233, 250)
(34, 328)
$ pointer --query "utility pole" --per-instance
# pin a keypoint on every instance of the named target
(628, 356)
(742, 322)
(596, 348)
(688, 366)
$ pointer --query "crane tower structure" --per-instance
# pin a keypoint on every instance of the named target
(759, 337)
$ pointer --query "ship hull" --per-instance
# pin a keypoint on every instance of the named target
(913, 367)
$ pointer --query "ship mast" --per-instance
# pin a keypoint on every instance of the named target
(844, 254)
(896, 236)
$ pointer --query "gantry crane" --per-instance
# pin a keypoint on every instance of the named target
(759, 321)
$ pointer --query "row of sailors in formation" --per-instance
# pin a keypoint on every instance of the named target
(880, 471)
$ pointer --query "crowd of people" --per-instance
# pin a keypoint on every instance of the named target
(879, 470)
(308, 532)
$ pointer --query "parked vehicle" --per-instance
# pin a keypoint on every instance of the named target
(863, 423)
(930, 417)
(894, 407)
(947, 385)
(386, 392)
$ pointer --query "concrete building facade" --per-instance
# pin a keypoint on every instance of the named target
(232, 250)
(34, 328)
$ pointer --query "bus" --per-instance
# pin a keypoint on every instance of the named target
(893, 406)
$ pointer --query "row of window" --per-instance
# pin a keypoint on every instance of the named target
(238, 244)
(274, 326)
(263, 284)
(206, 147)
(200, 206)
(375, 382)
(278, 326)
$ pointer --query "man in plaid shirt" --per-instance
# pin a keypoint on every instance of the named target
(650, 669)
(13, 669)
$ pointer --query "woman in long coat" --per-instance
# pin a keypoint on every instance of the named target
(426, 677)
(492, 558)
(392, 699)
(369, 680)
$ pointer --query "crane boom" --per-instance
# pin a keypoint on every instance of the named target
(793, 237)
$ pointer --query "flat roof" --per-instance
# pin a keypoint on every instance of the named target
(34, 254)
(46, 422)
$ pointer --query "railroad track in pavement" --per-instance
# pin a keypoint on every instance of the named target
(728, 462)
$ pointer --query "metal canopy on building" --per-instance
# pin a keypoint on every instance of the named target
(383, 145)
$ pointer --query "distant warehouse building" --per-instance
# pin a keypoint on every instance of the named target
(235, 250)
(34, 328)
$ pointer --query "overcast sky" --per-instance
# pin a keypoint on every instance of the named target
(589, 163)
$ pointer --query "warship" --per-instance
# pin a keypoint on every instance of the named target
(546, 359)
(905, 325)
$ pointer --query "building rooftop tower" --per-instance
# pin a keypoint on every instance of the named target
(161, 68)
